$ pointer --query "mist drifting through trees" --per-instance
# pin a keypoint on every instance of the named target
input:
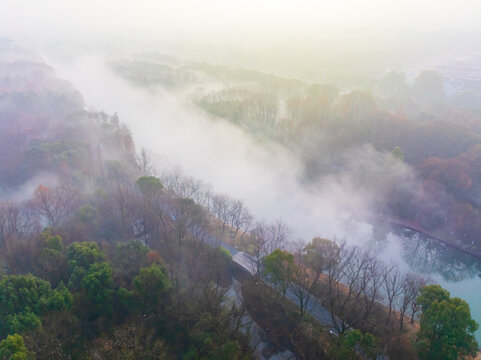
(240, 180)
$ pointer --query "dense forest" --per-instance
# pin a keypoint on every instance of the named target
(413, 145)
(104, 256)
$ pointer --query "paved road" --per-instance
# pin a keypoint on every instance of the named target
(215, 242)
(247, 262)
(314, 308)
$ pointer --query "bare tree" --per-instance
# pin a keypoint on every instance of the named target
(235, 215)
(294, 107)
(393, 287)
(185, 214)
(346, 285)
(241, 218)
(190, 187)
(265, 238)
(375, 274)
(410, 291)
(123, 199)
(151, 221)
(259, 245)
(122, 193)
(145, 163)
(247, 220)
(13, 225)
(182, 185)
(222, 208)
(19, 230)
(55, 205)
(203, 196)
(418, 282)
(279, 233)
(303, 283)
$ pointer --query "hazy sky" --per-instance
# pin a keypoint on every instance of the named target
(324, 40)
(243, 18)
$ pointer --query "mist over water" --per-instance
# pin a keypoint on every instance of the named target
(265, 175)
(340, 118)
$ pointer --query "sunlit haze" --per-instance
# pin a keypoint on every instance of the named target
(307, 34)
(240, 179)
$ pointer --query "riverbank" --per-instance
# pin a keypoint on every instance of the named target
(436, 235)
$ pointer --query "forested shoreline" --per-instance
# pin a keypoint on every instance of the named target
(104, 256)
(433, 137)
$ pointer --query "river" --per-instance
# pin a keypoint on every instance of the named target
(263, 176)
(455, 270)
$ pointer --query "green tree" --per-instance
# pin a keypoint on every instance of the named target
(52, 243)
(446, 327)
(17, 323)
(80, 256)
(397, 153)
(128, 258)
(149, 185)
(85, 225)
(22, 299)
(83, 254)
(13, 348)
(61, 298)
(150, 285)
(320, 254)
(279, 267)
(224, 254)
(52, 263)
(186, 215)
(354, 342)
(88, 216)
(430, 294)
(98, 286)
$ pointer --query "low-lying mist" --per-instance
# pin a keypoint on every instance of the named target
(263, 174)
(25, 191)
(267, 177)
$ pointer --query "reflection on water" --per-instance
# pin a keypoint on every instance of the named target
(425, 255)
(453, 269)
(162, 123)
(429, 256)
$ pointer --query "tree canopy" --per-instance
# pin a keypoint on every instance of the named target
(279, 267)
(24, 298)
(13, 348)
(149, 185)
(446, 327)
